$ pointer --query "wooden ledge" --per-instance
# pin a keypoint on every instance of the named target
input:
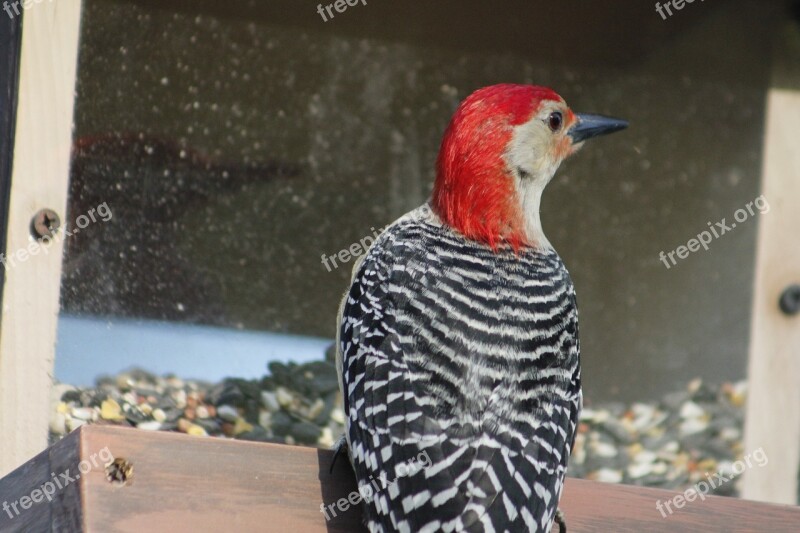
(171, 482)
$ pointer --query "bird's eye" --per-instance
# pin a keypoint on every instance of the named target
(555, 120)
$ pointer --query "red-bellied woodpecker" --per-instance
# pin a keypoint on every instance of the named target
(458, 339)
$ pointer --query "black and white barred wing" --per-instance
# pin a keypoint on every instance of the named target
(437, 443)
(392, 442)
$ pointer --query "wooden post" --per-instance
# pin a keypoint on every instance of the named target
(773, 407)
(32, 272)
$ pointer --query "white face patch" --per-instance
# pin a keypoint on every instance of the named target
(533, 156)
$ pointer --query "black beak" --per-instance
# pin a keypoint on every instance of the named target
(589, 126)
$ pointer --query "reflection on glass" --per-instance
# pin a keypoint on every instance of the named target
(239, 154)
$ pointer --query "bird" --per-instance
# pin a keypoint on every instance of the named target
(458, 351)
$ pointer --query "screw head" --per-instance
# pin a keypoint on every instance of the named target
(119, 471)
(790, 300)
(45, 224)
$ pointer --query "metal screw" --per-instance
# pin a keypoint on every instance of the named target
(790, 300)
(45, 224)
(119, 471)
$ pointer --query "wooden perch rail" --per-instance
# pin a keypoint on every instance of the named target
(171, 482)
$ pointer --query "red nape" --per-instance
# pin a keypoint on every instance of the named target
(474, 191)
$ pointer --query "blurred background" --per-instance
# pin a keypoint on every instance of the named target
(238, 144)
